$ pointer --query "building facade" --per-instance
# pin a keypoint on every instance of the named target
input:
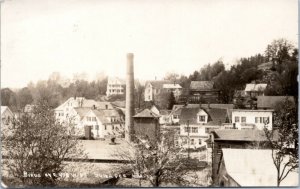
(115, 86)
(153, 88)
(203, 92)
(252, 119)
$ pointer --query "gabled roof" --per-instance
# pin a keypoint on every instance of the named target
(176, 106)
(146, 113)
(102, 105)
(119, 103)
(172, 86)
(265, 66)
(240, 135)
(82, 111)
(165, 112)
(109, 113)
(101, 117)
(188, 114)
(255, 87)
(116, 80)
(202, 85)
(218, 106)
(271, 101)
(255, 168)
(158, 84)
(216, 116)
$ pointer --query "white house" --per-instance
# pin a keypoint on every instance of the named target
(196, 124)
(253, 89)
(115, 86)
(103, 123)
(65, 110)
(153, 88)
(252, 119)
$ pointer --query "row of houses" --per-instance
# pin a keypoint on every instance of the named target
(198, 90)
(102, 117)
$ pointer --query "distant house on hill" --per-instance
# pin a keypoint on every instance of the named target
(115, 86)
(153, 88)
(254, 90)
(203, 92)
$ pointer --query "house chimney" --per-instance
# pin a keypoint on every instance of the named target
(129, 129)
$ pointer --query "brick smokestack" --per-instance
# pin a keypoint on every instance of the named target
(129, 129)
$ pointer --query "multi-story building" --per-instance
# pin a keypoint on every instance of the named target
(115, 86)
(101, 116)
(153, 88)
(203, 92)
(103, 123)
(197, 122)
(64, 111)
(252, 119)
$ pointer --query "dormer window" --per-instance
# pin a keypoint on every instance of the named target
(201, 118)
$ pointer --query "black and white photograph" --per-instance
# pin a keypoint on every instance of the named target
(149, 93)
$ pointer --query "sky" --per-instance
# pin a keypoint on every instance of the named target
(94, 36)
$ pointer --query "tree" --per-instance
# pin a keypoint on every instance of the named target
(162, 99)
(279, 51)
(37, 144)
(8, 98)
(172, 76)
(157, 163)
(224, 82)
(283, 139)
(171, 101)
(24, 97)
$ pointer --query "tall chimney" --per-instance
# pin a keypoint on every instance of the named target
(129, 129)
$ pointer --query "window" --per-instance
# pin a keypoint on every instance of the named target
(89, 118)
(113, 127)
(207, 130)
(97, 127)
(192, 141)
(106, 106)
(236, 119)
(200, 142)
(201, 118)
(256, 119)
(194, 129)
(105, 127)
(266, 120)
(187, 129)
(243, 119)
(94, 118)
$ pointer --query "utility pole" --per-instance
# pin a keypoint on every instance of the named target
(188, 129)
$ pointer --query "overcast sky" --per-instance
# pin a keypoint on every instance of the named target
(39, 37)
